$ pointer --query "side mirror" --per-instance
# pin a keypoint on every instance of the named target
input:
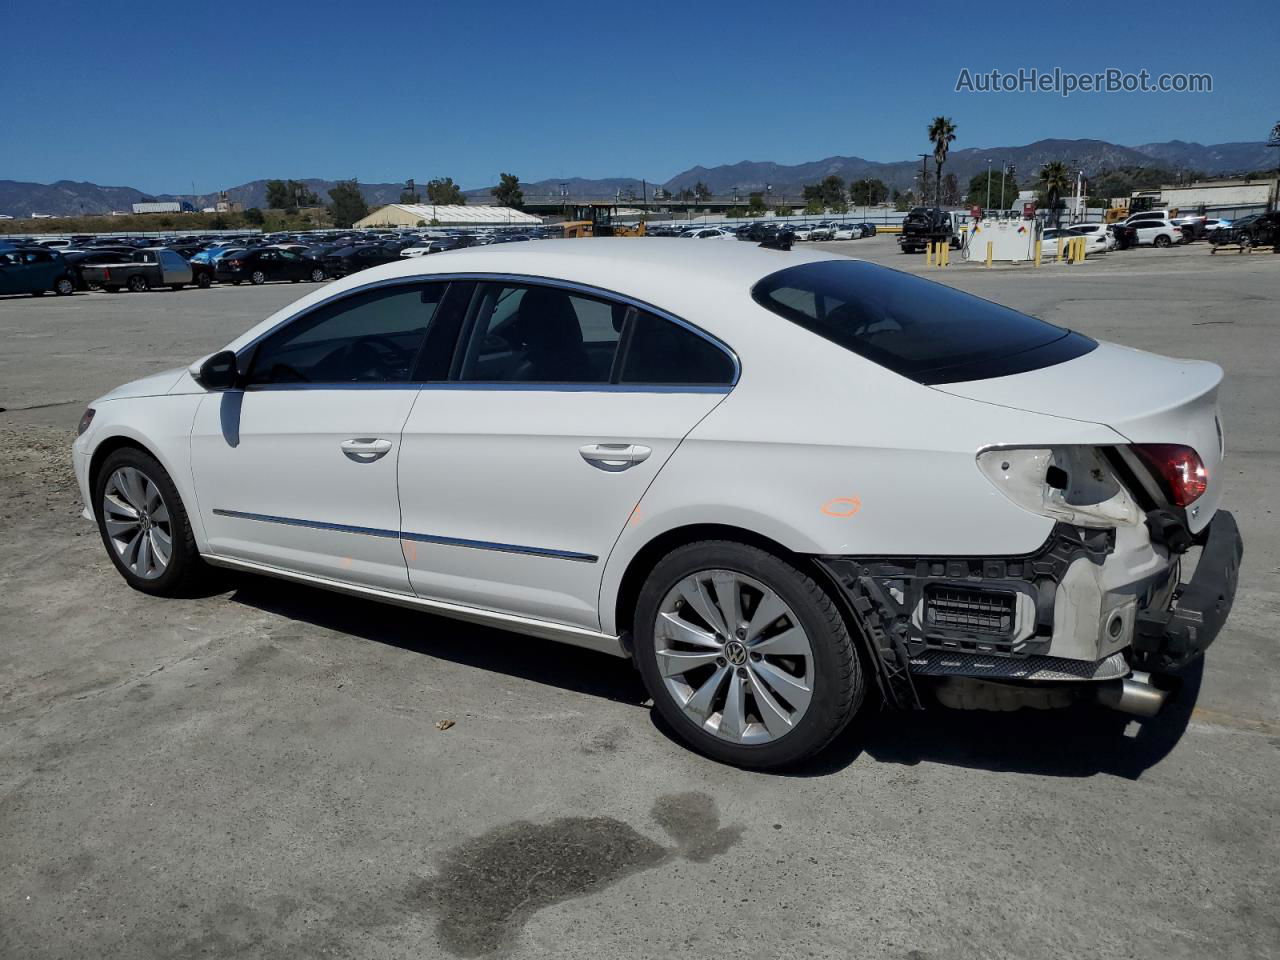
(220, 372)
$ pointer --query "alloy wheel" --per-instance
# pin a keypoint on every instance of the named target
(137, 522)
(734, 656)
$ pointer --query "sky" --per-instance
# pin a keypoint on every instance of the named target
(161, 96)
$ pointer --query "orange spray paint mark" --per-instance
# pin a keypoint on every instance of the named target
(842, 507)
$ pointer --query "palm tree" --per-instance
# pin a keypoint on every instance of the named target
(941, 131)
(1055, 178)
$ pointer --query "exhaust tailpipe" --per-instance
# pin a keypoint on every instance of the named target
(1134, 694)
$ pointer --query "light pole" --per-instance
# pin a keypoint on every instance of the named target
(988, 206)
(1001, 184)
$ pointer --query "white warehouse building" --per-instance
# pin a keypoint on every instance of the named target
(446, 215)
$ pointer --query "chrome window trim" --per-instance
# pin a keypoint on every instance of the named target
(404, 535)
(570, 285)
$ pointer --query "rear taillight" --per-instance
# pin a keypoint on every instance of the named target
(235, 264)
(1179, 469)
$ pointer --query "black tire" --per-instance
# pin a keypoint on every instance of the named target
(64, 287)
(185, 569)
(317, 275)
(257, 278)
(235, 283)
(1161, 241)
(838, 685)
(204, 281)
(112, 288)
(138, 284)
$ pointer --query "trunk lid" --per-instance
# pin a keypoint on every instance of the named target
(1143, 396)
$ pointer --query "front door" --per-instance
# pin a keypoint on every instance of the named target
(297, 470)
(517, 477)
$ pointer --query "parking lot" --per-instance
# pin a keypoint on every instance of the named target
(263, 771)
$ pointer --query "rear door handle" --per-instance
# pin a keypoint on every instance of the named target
(614, 456)
(366, 449)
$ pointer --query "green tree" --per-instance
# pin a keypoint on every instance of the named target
(508, 192)
(255, 216)
(950, 190)
(868, 192)
(277, 195)
(701, 191)
(348, 204)
(735, 213)
(832, 191)
(978, 191)
(1056, 180)
(782, 211)
(444, 191)
(757, 205)
(941, 132)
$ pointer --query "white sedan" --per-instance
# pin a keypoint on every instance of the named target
(786, 484)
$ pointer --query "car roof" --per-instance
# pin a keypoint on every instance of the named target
(675, 276)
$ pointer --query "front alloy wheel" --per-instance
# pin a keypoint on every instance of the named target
(137, 522)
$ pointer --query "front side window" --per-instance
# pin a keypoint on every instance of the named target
(535, 334)
(369, 337)
(926, 331)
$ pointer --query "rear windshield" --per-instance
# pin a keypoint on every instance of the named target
(923, 330)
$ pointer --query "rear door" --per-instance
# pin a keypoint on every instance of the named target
(518, 475)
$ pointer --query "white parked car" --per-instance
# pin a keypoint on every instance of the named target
(710, 233)
(787, 484)
(847, 231)
(1158, 233)
(802, 231)
(1101, 240)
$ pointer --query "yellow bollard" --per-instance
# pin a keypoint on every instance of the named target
(1037, 252)
(1062, 248)
(1084, 248)
(946, 254)
(928, 255)
(990, 245)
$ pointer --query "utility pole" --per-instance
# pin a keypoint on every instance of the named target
(1002, 184)
(924, 176)
(988, 206)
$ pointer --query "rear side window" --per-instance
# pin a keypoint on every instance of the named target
(661, 352)
(922, 330)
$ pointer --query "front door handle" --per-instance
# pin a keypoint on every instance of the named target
(366, 449)
(614, 456)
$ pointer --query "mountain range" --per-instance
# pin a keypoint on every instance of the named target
(69, 198)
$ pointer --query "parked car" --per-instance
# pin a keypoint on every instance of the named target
(267, 263)
(1101, 240)
(146, 269)
(847, 231)
(35, 270)
(347, 260)
(1213, 224)
(76, 259)
(1255, 230)
(802, 231)
(1158, 233)
(868, 229)
(1126, 236)
(1004, 538)
(712, 233)
(822, 231)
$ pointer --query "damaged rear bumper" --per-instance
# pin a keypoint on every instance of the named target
(1088, 606)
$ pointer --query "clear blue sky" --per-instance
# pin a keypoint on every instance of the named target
(158, 95)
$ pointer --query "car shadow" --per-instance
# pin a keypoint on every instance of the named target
(1080, 741)
(498, 651)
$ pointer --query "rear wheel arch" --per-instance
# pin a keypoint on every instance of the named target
(648, 556)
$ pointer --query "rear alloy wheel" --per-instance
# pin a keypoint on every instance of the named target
(317, 276)
(204, 281)
(257, 277)
(745, 656)
(1161, 241)
(64, 287)
(138, 283)
(144, 525)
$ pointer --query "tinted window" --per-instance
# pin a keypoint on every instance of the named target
(536, 334)
(659, 351)
(920, 329)
(371, 337)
